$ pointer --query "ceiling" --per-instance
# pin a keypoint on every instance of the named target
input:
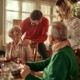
(49, 0)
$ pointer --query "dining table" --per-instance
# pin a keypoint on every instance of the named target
(12, 63)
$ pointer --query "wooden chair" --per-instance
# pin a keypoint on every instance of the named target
(77, 52)
(34, 47)
(35, 51)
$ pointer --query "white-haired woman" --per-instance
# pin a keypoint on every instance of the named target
(15, 49)
(62, 65)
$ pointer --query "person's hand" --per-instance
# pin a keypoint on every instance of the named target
(27, 42)
(25, 70)
(20, 60)
(60, 45)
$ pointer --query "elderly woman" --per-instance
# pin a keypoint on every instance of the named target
(62, 65)
(15, 49)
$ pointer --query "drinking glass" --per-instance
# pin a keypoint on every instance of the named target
(1, 61)
(6, 72)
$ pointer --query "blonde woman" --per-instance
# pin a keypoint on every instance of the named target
(65, 10)
(15, 48)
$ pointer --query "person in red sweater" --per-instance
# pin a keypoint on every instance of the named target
(35, 30)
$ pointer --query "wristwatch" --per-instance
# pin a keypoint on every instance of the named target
(33, 41)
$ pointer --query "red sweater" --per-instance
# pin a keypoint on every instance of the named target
(36, 33)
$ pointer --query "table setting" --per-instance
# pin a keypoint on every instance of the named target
(9, 70)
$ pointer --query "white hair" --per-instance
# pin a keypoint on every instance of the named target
(59, 30)
(14, 28)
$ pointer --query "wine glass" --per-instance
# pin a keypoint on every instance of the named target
(5, 72)
(1, 60)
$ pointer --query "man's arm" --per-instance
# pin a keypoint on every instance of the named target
(32, 77)
(57, 71)
(23, 25)
(39, 65)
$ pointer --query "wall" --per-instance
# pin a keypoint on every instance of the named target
(1, 24)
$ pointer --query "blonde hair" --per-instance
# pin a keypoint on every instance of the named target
(14, 28)
(66, 7)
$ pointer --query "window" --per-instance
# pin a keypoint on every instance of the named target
(27, 8)
(16, 9)
(46, 11)
(21, 9)
(49, 12)
(55, 18)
